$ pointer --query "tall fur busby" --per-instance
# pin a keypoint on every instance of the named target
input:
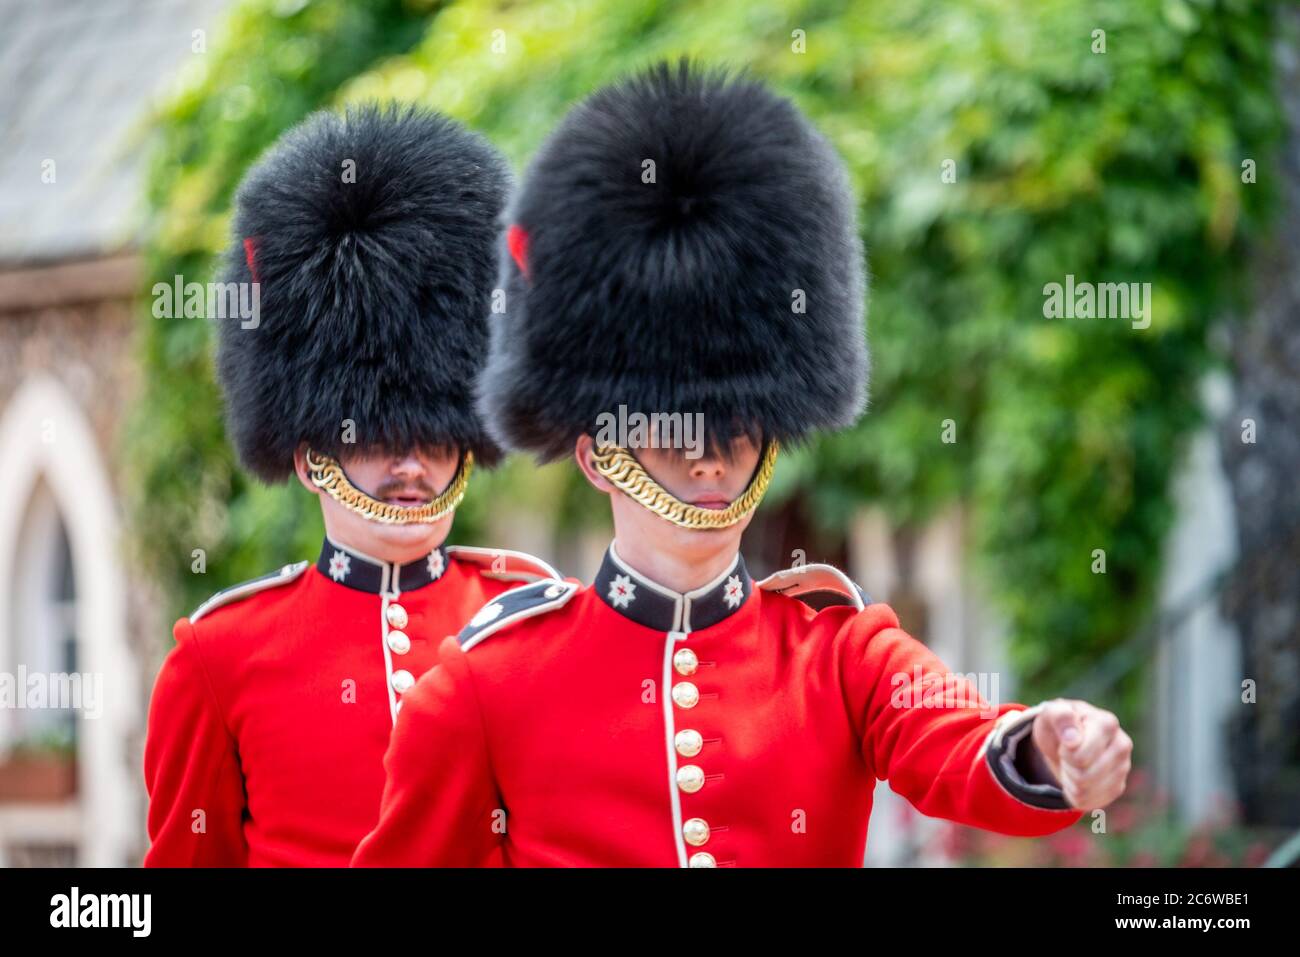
(683, 242)
(372, 237)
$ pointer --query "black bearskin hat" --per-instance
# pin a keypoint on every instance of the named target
(683, 242)
(372, 236)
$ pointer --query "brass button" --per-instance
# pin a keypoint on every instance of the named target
(696, 831)
(399, 642)
(685, 662)
(690, 778)
(402, 681)
(702, 859)
(396, 615)
(686, 694)
(688, 742)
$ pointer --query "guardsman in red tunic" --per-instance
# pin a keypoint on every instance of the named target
(372, 237)
(685, 243)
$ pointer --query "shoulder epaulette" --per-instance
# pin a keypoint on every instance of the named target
(504, 564)
(803, 579)
(236, 592)
(515, 605)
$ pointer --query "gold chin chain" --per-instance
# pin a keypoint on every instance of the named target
(624, 472)
(327, 474)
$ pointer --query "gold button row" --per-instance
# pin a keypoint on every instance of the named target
(688, 742)
(399, 643)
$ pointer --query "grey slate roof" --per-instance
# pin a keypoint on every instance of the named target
(76, 78)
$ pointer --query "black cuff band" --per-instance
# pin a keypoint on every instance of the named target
(1001, 756)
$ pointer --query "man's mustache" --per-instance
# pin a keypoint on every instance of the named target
(394, 488)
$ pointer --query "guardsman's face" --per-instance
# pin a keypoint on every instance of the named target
(714, 480)
(408, 480)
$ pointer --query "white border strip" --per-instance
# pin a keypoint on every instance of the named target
(848, 589)
(472, 551)
(285, 575)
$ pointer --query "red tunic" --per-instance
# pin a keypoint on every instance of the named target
(546, 731)
(270, 716)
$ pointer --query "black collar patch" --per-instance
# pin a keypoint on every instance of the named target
(648, 603)
(349, 567)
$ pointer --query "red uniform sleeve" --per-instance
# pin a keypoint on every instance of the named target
(935, 739)
(191, 768)
(440, 806)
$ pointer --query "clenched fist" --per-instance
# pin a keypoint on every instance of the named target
(1085, 749)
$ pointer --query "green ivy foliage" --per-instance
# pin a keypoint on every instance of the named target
(1115, 166)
